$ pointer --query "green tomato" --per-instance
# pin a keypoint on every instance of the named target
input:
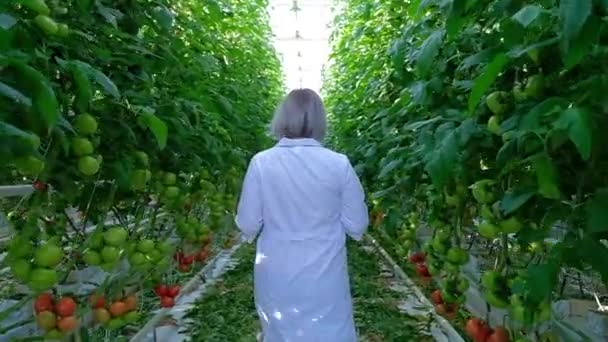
(82, 147)
(534, 86)
(42, 279)
(21, 269)
(511, 225)
(495, 300)
(486, 213)
(115, 236)
(457, 256)
(481, 191)
(138, 259)
(169, 178)
(38, 6)
(145, 245)
(85, 124)
(496, 102)
(115, 323)
(463, 285)
(491, 280)
(131, 317)
(110, 254)
(488, 230)
(63, 30)
(88, 165)
(46, 24)
(171, 192)
(142, 158)
(48, 255)
(139, 179)
(518, 93)
(20, 247)
(494, 125)
(438, 246)
(92, 258)
(30, 165)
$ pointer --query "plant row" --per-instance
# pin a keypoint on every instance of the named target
(482, 120)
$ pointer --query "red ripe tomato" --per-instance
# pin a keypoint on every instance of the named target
(417, 257)
(67, 324)
(184, 268)
(422, 270)
(173, 291)
(66, 307)
(500, 334)
(160, 290)
(40, 186)
(167, 302)
(187, 260)
(44, 302)
(436, 297)
(98, 301)
(118, 309)
(478, 330)
(130, 303)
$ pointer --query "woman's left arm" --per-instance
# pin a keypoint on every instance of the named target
(249, 211)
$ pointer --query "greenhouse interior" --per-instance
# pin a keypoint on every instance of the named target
(129, 128)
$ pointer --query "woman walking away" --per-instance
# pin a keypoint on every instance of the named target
(303, 199)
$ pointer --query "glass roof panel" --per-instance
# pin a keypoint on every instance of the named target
(301, 39)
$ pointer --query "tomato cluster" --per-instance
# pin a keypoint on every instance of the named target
(167, 294)
(115, 314)
(56, 317)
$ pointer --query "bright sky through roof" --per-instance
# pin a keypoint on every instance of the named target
(301, 38)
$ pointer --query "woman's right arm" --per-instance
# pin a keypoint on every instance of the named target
(354, 216)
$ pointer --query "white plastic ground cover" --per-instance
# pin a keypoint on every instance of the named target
(418, 303)
(16, 190)
(196, 288)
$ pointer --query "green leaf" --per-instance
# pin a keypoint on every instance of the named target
(532, 120)
(515, 199)
(455, 18)
(577, 123)
(506, 152)
(157, 126)
(14, 94)
(163, 16)
(592, 252)
(597, 212)
(576, 50)
(541, 279)
(428, 51)
(390, 166)
(79, 67)
(574, 13)
(486, 79)
(441, 162)
(527, 15)
(7, 21)
(546, 176)
(43, 96)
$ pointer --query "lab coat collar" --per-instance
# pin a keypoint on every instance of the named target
(298, 142)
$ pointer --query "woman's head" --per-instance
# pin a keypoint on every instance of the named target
(301, 115)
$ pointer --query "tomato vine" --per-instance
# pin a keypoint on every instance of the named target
(485, 118)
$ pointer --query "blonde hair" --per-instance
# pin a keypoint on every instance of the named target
(301, 115)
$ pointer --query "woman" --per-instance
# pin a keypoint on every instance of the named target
(304, 199)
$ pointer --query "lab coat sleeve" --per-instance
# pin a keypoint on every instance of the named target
(354, 216)
(249, 218)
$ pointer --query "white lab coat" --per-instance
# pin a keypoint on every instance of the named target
(303, 199)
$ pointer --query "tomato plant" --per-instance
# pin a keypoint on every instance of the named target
(484, 118)
(125, 111)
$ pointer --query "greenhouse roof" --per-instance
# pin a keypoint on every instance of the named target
(301, 29)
